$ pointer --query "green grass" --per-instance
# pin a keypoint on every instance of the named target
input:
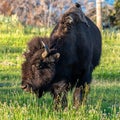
(103, 101)
(109, 68)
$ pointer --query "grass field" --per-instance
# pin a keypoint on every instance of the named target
(103, 101)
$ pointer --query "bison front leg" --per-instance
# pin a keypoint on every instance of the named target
(57, 99)
(60, 95)
(60, 101)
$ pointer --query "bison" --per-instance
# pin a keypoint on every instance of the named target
(64, 61)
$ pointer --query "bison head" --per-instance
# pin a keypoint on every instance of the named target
(38, 68)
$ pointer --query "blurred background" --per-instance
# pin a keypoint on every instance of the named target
(45, 13)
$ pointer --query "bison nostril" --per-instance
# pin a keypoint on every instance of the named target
(24, 86)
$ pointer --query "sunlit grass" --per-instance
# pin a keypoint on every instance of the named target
(103, 100)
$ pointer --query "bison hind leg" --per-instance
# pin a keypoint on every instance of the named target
(80, 95)
(82, 89)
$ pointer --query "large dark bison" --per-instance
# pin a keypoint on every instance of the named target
(65, 60)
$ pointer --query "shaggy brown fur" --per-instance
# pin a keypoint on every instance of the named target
(74, 52)
(34, 45)
(33, 57)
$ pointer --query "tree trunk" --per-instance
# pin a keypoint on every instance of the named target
(99, 14)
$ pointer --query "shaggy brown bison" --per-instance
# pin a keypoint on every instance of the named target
(65, 60)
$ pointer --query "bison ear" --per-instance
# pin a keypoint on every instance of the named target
(56, 56)
(53, 58)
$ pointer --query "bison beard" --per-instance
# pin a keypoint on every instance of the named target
(65, 60)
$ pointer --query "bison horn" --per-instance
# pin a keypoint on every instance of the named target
(46, 51)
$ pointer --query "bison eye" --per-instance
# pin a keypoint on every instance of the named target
(37, 64)
(43, 65)
(34, 66)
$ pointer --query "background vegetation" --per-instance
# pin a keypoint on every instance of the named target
(103, 101)
(115, 15)
(47, 12)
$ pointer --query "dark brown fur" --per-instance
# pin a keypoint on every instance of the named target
(33, 57)
(74, 52)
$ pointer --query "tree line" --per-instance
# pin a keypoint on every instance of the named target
(47, 12)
